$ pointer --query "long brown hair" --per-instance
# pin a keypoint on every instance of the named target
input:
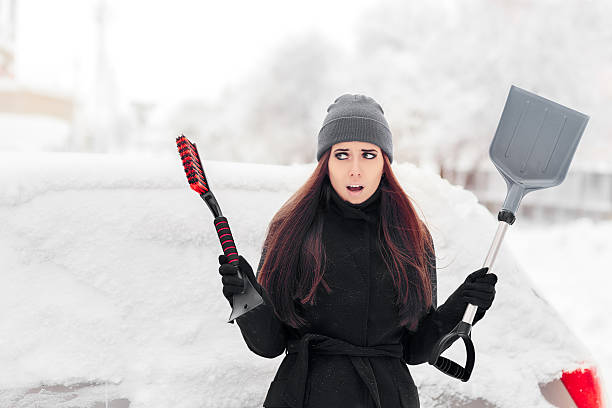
(294, 257)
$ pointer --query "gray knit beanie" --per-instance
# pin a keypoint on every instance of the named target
(355, 118)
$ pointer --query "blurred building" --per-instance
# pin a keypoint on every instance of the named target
(30, 118)
(585, 192)
(7, 37)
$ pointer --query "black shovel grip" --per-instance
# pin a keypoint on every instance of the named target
(227, 242)
(462, 330)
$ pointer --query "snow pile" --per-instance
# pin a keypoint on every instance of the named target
(110, 291)
(29, 132)
(571, 264)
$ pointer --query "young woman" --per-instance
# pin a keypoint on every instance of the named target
(348, 277)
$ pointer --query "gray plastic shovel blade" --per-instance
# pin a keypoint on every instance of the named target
(534, 143)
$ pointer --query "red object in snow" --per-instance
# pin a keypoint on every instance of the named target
(192, 165)
(583, 386)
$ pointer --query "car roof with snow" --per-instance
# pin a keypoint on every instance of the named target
(111, 286)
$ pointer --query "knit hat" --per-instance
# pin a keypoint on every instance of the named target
(355, 118)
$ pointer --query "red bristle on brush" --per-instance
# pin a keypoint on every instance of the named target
(197, 181)
(192, 164)
(249, 298)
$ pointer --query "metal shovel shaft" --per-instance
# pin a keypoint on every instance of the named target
(470, 310)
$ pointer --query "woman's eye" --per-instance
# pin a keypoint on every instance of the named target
(366, 153)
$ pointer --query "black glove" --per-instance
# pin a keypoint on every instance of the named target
(232, 284)
(478, 289)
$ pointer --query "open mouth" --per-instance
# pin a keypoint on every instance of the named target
(354, 188)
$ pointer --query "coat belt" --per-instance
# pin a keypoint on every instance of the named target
(321, 344)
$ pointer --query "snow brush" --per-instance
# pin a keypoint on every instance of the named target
(532, 149)
(249, 298)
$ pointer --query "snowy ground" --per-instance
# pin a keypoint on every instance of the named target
(570, 264)
(110, 291)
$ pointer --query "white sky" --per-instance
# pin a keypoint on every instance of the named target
(166, 50)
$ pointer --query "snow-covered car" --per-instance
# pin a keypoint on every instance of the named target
(111, 297)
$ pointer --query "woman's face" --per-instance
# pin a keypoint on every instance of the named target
(355, 163)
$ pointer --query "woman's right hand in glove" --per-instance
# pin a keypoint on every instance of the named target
(270, 342)
(232, 284)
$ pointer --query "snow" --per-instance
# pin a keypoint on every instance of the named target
(571, 264)
(110, 291)
(32, 132)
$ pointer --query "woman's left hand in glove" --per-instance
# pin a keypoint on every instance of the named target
(478, 289)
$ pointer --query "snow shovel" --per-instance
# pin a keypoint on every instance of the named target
(249, 298)
(532, 148)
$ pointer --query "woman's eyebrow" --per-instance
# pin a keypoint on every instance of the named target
(363, 150)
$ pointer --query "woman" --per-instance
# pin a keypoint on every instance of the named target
(348, 277)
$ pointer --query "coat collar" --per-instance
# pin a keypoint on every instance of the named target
(367, 210)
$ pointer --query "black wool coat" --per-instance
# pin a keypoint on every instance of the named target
(354, 353)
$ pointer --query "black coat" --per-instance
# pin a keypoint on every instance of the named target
(354, 352)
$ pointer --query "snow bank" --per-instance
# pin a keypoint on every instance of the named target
(27, 132)
(109, 286)
(571, 264)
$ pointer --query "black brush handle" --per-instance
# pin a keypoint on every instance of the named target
(249, 298)
(227, 242)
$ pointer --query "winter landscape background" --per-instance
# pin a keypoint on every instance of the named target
(109, 86)
(112, 293)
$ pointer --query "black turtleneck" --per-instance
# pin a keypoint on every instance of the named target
(367, 210)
